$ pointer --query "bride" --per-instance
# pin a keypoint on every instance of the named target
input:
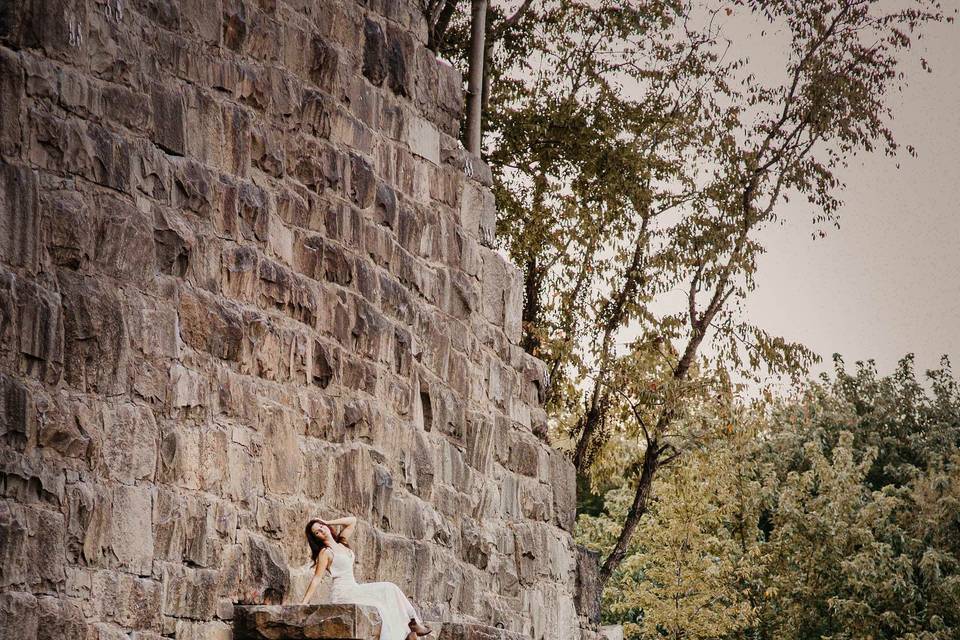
(331, 552)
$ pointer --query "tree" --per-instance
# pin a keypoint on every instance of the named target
(865, 469)
(635, 161)
(786, 517)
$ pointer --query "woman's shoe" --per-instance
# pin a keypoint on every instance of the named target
(418, 628)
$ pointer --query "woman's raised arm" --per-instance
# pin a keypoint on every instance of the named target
(349, 525)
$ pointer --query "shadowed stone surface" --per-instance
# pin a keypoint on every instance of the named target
(246, 278)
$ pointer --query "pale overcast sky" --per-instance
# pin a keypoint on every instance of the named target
(888, 281)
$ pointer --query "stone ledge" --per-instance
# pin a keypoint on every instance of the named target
(340, 622)
(305, 622)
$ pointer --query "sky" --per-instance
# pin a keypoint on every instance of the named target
(887, 282)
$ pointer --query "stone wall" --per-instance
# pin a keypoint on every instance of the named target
(246, 279)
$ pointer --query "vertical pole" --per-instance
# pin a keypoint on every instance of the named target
(478, 28)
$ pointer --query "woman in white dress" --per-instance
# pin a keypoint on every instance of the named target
(331, 552)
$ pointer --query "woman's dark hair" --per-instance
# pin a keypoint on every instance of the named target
(316, 544)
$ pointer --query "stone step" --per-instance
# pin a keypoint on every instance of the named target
(340, 622)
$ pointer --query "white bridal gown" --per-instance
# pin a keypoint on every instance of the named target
(395, 610)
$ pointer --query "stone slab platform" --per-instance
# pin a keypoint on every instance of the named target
(306, 622)
(340, 622)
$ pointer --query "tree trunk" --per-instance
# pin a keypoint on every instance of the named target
(532, 289)
(651, 461)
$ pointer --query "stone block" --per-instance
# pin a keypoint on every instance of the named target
(215, 630)
(131, 528)
(304, 622)
(65, 424)
(113, 167)
(353, 482)
(33, 553)
(478, 214)
(424, 140)
(324, 64)
(513, 305)
(18, 411)
(193, 186)
(243, 211)
(563, 479)
(127, 600)
(319, 168)
(524, 456)
(88, 523)
(206, 325)
(266, 578)
(19, 216)
(152, 173)
(59, 619)
(236, 140)
(173, 245)
(40, 326)
(239, 272)
(68, 235)
(510, 498)
(169, 118)
(203, 18)
(494, 280)
(129, 442)
(160, 334)
(244, 475)
(130, 109)
(11, 103)
(350, 132)
(375, 64)
(58, 28)
(363, 182)
(587, 593)
(316, 113)
(187, 388)
(282, 458)
(188, 592)
(400, 60)
(124, 241)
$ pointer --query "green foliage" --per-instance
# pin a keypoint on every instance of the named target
(832, 514)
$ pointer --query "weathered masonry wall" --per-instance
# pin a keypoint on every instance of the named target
(246, 279)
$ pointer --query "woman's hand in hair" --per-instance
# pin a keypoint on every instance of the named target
(349, 525)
